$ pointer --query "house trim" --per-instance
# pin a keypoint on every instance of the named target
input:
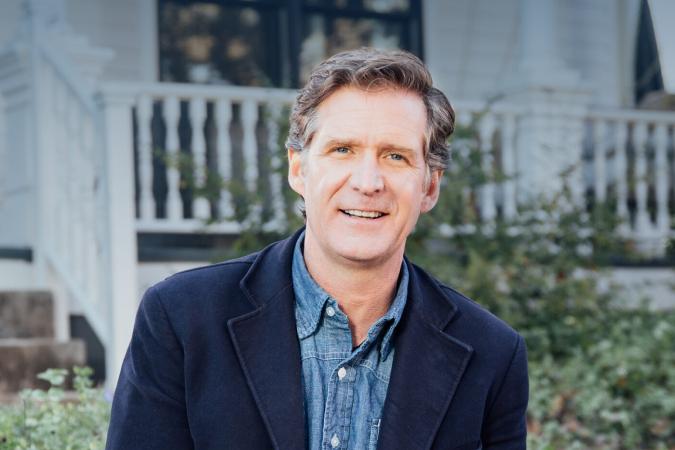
(149, 42)
(19, 253)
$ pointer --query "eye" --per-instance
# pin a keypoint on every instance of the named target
(342, 150)
(397, 157)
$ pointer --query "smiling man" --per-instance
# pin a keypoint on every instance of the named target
(331, 339)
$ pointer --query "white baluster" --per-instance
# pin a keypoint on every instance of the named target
(599, 160)
(89, 207)
(642, 224)
(249, 117)
(621, 171)
(661, 178)
(80, 197)
(224, 143)
(509, 165)
(52, 201)
(147, 201)
(487, 204)
(71, 157)
(60, 176)
(276, 179)
(174, 205)
(463, 148)
(574, 142)
(200, 205)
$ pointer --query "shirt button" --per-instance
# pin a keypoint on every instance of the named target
(334, 441)
(342, 372)
(330, 311)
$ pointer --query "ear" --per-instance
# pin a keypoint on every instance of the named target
(433, 189)
(296, 176)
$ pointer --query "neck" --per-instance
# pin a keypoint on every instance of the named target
(364, 291)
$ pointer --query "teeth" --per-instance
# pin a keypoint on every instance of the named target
(367, 214)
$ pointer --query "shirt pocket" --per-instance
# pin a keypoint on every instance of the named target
(374, 434)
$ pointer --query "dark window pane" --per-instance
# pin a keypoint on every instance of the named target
(326, 36)
(211, 43)
(329, 3)
(387, 6)
(380, 6)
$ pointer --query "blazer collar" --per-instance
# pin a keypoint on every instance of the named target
(267, 347)
(428, 364)
(428, 367)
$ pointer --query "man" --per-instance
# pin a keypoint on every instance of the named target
(331, 338)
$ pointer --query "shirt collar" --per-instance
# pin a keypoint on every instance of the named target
(311, 299)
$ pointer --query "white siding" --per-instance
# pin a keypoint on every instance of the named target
(469, 44)
(588, 41)
(10, 12)
(472, 46)
(128, 27)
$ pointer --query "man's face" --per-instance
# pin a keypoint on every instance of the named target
(364, 177)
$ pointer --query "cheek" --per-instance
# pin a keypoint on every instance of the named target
(412, 193)
(327, 180)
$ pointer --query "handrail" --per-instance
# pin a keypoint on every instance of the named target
(186, 91)
(78, 259)
(633, 115)
(189, 91)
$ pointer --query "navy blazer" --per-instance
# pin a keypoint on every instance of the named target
(214, 363)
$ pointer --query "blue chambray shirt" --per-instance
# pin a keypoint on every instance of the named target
(344, 388)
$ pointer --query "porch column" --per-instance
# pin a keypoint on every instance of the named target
(121, 226)
(550, 133)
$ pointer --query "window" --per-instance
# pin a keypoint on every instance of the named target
(275, 42)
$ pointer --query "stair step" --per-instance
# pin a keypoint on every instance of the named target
(26, 314)
(21, 360)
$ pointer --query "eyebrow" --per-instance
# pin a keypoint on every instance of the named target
(337, 142)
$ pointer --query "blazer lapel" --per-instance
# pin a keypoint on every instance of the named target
(428, 365)
(267, 346)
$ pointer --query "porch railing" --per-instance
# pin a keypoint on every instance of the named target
(186, 137)
(233, 133)
(630, 163)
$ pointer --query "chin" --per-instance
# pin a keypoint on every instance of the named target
(363, 252)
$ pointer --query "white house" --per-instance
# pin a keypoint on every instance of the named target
(95, 95)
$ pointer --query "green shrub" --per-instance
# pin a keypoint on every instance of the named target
(48, 420)
(614, 393)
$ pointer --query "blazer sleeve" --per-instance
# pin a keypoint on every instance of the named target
(148, 410)
(506, 423)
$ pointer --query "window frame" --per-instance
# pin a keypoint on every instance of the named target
(295, 12)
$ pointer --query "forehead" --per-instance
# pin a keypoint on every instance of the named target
(373, 117)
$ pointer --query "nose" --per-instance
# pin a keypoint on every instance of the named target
(367, 177)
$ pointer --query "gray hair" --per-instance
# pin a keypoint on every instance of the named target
(368, 69)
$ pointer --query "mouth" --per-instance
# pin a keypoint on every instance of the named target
(362, 214)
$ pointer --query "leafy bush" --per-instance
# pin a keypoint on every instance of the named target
(47, 420)
(615, 393)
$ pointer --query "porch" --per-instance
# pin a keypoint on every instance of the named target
(104, 162)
